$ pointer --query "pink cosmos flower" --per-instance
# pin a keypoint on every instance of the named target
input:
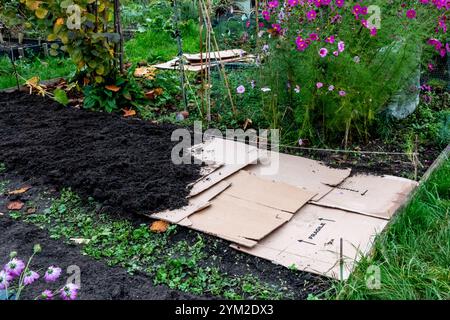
(342, 93)
(52, 274)
(240, 89)
(373, 32)
(47, 295)
(15, 267)
(30, 277)
(314, 37)
(273, 4)
(330, 39)
(323, 52)
(311, 15)
(319, 85)
(69, 291)
(5, 278)
(411, 14)
(301, 44)
(341, 46)
(340, 3)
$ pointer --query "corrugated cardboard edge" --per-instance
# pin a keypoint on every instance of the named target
(397, 203)
(196, 204)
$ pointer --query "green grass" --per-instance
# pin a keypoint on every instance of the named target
(159, 45)
(180, 264)
(413, 254)
(46, 69)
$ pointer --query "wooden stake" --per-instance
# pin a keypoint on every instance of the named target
(341, 259)
(222, 66)
(202, 71)
(257, 22)
(16, 74)
(118, 29)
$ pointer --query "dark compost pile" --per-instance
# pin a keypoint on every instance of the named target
(125, 164)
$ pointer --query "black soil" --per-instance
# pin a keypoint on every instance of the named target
(98, 281)
(125, 164)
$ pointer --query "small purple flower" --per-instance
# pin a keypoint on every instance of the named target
(5, 278)
(342, 93)
(52, 274)
(341, 46)
(253, 84)
(319, 85)
(331, 88)
(15, 267)
(240, 89)
(47, 295)
(69, 291)
(30, 277)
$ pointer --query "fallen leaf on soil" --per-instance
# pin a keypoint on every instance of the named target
(159, 226)
(159, 91)
(19, 191)
(150, 95)
(15, 205)
(31, 210)
(128, 113)
(185, 114)
(113, 88)
(145, 72)
(80, 240)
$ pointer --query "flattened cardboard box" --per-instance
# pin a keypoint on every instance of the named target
(249, 210)
(233, 156)
(310, 241)
(304, 173)
(374, 196)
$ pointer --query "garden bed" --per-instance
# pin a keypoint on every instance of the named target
(211, 270)
(123, 163)
(98, 281)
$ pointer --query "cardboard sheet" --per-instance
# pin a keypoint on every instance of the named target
(216, 55)
(237, 220)
(196, 203)
(233, 156)
(311, 241)
(271, 194)
(307, 174)
(374, 196)
(249, 210)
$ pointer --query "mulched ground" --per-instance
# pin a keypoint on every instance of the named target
(98, 281)
(125, 164)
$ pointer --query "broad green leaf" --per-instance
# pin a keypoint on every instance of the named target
(61, 97)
